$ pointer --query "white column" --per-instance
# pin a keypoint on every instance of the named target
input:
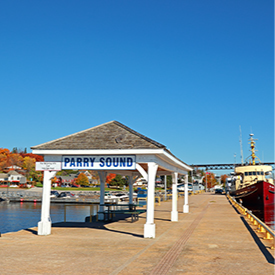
(149, 227)
(102, 177)
(186, 206)
(44, 226)
(165, 187)
(174, 212)
(131, 190)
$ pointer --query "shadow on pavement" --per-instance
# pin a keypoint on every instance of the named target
(98, 225)
(261, 246)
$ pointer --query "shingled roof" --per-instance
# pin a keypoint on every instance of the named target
(110, 135)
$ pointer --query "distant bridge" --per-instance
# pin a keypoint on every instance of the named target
(224, 166)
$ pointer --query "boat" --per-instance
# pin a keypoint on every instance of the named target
(252, 184)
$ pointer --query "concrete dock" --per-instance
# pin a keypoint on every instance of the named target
(213, 238)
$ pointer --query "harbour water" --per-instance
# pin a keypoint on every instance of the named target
(267, 216)
(18, 216)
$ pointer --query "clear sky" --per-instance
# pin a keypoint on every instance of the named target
(186, 73)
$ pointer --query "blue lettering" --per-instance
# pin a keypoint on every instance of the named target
(92, 161)
(66, 160)
(79, 162)
(72, 163)
(129, 162)
(85, 162)
(122, 162)
(115, 162)
(101, 162)
(108, 162)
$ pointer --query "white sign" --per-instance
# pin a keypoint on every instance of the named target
(118, 162)
(48, 166)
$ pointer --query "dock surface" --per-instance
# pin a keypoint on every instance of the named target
(213, 238)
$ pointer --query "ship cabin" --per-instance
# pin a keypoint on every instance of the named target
(250, 174)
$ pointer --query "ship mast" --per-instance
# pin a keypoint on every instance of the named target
(252, 146)
(241, 145)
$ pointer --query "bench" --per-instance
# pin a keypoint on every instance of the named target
(134, 214)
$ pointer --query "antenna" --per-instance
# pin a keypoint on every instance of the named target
(241, 145)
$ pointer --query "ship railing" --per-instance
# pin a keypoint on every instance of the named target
(261, 226)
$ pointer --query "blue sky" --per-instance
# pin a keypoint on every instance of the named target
(185, 73)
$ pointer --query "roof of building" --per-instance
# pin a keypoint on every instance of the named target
(110, 135)
(12, 172)
(3, 175)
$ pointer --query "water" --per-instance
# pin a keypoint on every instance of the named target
(267, 216)
(18, 216)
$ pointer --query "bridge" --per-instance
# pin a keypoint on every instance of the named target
(226, 166)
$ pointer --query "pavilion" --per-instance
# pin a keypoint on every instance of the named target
(113, 148)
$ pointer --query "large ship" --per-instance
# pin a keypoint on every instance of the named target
(253, 186)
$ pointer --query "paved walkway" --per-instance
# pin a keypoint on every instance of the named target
(211, 239)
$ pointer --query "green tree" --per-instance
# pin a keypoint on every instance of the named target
(118, 181)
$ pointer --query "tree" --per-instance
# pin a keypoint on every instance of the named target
(211, 180)
(4, 154)
(15, 159)
(82, 179)
(34, 156)
(29, 166)
(110, 177)
(118, 181)
(223, 178)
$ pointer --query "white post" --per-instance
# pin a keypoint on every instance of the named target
(131, 190)
(149, 227)
(44, 226)
(102, 177)
(186, 206)
(174, 212)
(165, 187)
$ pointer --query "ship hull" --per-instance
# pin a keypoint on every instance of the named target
(257, 197)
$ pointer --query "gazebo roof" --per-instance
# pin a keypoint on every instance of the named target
(110, 135)
(111, 138)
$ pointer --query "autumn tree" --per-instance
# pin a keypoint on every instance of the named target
(82, 179)
(223, 178)
(4, 154)
(15, 159)
(29, 166)
(211, 180)
(34, 156)
(54, 180)
(110, 177)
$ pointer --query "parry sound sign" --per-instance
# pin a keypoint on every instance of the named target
(126, 162)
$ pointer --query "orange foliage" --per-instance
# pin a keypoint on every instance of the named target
(211, 180)
(4, 154)
(34, 156)
(110, 177)
(223, 178)
(15, 160)
(4, 151)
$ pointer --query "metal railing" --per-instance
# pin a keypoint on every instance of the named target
(262, 227)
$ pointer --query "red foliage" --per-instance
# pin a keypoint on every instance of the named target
(110, 177)
(36, 157)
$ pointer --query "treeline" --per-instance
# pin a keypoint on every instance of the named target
(21, 161)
